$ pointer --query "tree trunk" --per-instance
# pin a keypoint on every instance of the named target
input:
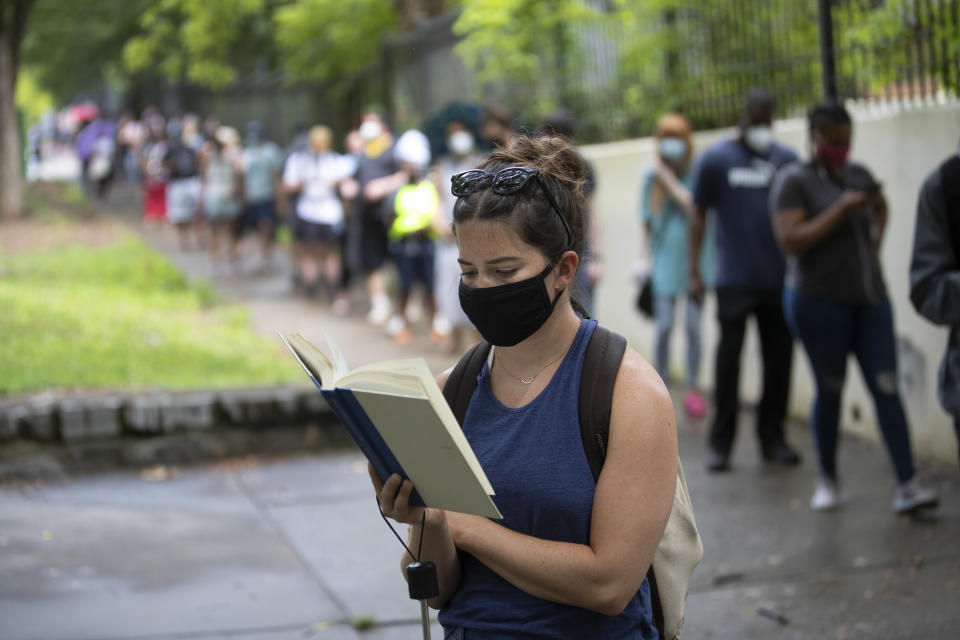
(11, 182)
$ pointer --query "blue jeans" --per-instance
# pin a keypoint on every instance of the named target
(829, 331)
(664, 310)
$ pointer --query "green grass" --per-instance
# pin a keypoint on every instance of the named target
(120, 316)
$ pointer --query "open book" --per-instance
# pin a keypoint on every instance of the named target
(400, 420)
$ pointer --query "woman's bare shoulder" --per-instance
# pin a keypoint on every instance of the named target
(640, 392)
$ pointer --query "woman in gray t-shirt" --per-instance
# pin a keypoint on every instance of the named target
(829, 217)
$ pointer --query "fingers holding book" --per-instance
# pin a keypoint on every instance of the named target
(394, 498)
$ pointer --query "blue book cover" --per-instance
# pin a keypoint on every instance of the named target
(354, 419)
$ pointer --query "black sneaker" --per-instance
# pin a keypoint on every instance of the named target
(718, 462)
(781, 454)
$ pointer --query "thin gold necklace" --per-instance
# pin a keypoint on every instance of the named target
(531, 378)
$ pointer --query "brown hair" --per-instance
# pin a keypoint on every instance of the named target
(562, 170)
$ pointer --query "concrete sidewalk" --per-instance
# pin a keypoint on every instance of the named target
(295, 548)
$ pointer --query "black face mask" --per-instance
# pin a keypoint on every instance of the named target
(509, 313)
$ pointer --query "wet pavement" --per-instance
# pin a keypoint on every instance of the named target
(269, 549)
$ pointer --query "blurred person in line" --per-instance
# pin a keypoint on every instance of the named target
(461, 156)
(192, 136)
(666, 205)
(208, 130)
(153, 171)
(314, 174)
(563, 123)
(935, 272)
(349, 190)
(287, 201)
(411, 234)
(102, 167)
(183, 185)
(733, 181)
(377, 176)
(496, 126)
(95, 145)
(829, 216)
(260, 169)
(131, 134)
(221, 198)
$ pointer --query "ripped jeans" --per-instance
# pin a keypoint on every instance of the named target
(829, 331)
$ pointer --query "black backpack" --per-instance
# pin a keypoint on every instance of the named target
(600, 366)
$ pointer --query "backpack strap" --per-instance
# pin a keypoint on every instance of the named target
(458, 389)
(601, 362)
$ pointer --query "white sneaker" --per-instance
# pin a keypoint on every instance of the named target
(380, 311)
(826, 496)
(912, 496)
(395, 325)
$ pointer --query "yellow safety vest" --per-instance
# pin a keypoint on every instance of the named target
(415, 206)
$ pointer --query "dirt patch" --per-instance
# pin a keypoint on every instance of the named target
(18, 236)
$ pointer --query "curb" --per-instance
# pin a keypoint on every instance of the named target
(49, 435)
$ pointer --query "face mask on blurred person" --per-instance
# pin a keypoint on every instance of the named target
(832, 157)
(672, 149)
(370, 130)
(759, 138)
(460, 143)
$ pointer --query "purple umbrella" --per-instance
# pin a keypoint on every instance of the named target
(88, 136)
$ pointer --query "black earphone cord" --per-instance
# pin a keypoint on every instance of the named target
(423, 520)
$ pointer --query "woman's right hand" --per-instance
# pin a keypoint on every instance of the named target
(394, 498)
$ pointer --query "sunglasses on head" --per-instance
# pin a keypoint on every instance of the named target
(504, 183)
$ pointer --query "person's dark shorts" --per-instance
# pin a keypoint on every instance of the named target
(315, 233)
(252, 216)
(260, 212)
(414, 257)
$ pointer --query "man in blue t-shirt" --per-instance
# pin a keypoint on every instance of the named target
(733, 181)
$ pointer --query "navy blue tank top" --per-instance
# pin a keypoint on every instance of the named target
(535, 461)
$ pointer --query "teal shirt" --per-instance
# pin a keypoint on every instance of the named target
(667, 242)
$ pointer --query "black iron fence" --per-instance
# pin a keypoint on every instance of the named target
(699, 56)
(621, 70)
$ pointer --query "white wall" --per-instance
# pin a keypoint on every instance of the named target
(900, 145)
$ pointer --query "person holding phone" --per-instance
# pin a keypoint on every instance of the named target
(829, 217)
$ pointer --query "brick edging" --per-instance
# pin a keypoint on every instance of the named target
(49, 417)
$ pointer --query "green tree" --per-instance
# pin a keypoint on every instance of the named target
(886, 36)
(327, 41)
(204, 42)
(683, 54)
(74, 47)
(525, 44)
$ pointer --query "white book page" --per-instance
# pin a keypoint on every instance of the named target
(340, 367)
(311, 358)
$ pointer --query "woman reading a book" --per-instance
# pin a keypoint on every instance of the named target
(570, 557)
